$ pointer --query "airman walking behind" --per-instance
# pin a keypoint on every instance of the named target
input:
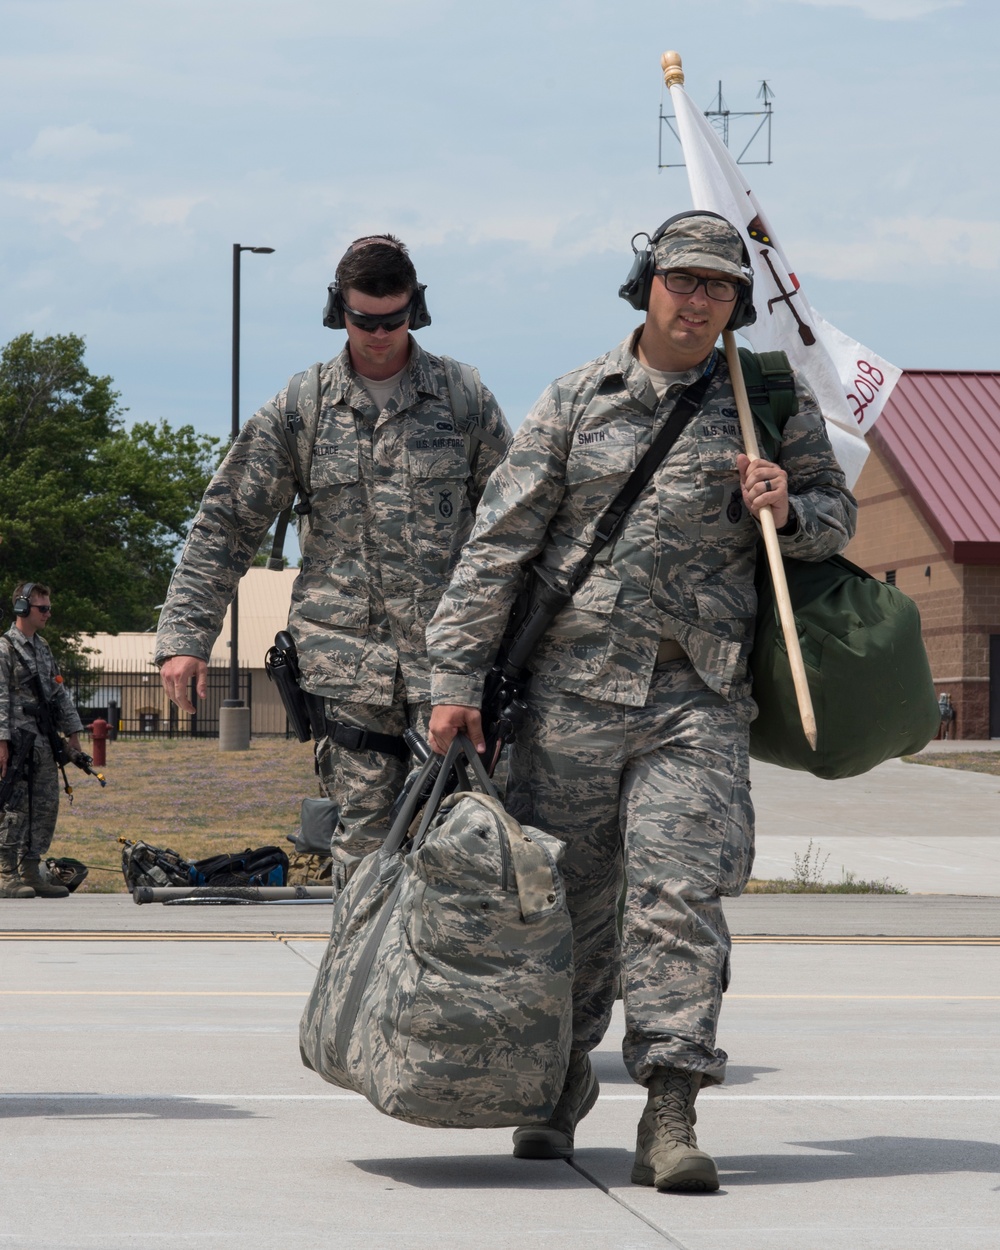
(393, 474)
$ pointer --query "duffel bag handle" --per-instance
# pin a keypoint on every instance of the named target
(460, 753)
(453, 765)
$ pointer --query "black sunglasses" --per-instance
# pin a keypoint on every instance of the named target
(42, 607)
(371, 321)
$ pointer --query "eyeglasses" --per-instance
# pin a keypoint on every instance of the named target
(681, 283)
(42, 607)
(371, 321)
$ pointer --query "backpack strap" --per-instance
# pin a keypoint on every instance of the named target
(299, 418)
(771, 392)
(465, 395)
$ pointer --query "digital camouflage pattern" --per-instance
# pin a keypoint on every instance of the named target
(365, 783)
(622, 758)
(444, 994)
(29, 823)
(673, 776)
(393, 498)
(683, 565)
(701, 242)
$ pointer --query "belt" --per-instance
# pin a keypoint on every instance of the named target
(669, 649)
(352, 738)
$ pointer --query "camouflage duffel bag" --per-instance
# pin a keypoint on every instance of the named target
(444, 996)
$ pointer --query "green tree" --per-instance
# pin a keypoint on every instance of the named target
(92, 509)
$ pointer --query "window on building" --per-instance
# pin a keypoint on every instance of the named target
(890, 577)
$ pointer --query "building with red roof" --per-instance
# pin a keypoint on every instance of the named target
(929, 520)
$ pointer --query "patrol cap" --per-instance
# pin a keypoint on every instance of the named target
(702, 242)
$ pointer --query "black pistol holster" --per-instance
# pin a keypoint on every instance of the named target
(304, 711)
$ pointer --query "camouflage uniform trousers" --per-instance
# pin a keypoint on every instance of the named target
(364, 784)
(29, 823)
(665, 789)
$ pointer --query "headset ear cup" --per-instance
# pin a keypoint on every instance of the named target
(419, 316)
(22, 604)
(333, 314)
(636, 287)
(744, 313)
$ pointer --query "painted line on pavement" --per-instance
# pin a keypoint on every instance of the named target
(748, 939)
(704, 1096)
(156, 993)
(933, 998)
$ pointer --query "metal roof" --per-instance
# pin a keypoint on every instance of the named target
(940, 434)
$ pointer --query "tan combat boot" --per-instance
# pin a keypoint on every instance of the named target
(42, 886)
(666, 1151)
(554, 1138)
(11, 885)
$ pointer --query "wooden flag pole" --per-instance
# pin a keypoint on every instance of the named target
(673, 75)
(773, 549)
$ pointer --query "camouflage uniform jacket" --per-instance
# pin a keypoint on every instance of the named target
(682, 566)
(20, 660)
(393, 498)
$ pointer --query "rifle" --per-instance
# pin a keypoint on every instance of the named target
(42, 712)
(421, 753)
(503, 706)
(17, 765)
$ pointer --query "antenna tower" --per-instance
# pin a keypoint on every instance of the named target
(720, 115)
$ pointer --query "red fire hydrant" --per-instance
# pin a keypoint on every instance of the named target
(100, 731)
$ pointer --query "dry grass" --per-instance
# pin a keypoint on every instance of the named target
(970, 761)
(185, 794)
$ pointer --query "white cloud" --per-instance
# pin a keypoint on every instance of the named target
(76, 208)
(167, 210)
(901, 249)
(75, 143)
(887, 10)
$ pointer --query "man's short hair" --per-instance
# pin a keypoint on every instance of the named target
(22, 591)
(377, 265)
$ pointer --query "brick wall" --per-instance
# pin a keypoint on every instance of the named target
(959, 604)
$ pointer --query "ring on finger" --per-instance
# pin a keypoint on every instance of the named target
(767, 484)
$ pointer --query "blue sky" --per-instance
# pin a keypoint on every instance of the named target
(513, 147)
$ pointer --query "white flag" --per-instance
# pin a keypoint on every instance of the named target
(851, 383)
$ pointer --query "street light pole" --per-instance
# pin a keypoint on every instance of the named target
(234, 726)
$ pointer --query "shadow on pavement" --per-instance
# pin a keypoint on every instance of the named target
(862, 1158)
(495, 1171)
(610, 1070)
(82, 1107)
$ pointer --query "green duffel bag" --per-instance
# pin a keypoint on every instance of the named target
(871, 685)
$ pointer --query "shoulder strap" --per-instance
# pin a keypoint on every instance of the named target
(610, 523)
(465, 396)
(546, 601)
(771, 392)
(294, 424)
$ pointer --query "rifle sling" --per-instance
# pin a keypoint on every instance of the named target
(613, 518)
(509, 670)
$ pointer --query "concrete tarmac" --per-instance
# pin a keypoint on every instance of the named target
(152, 1095)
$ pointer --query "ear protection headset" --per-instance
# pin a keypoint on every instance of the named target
(636, 287)
(333, 314)
(22, 602)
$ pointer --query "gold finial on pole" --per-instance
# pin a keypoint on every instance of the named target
(673, 75)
